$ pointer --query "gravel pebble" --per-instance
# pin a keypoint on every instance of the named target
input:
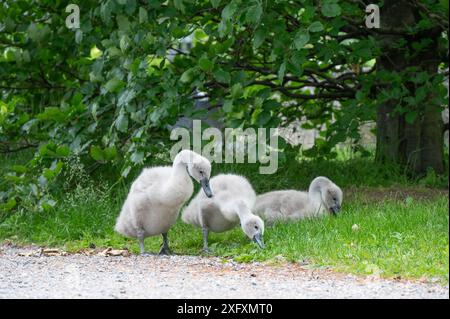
(81, 276)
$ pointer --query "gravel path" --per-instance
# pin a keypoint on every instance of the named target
(23, 275)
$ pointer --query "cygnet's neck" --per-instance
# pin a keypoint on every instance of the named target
(179, 166)
(315, 197)
(242, 210)
(179, 185)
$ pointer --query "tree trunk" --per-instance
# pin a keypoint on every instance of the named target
(418, 146)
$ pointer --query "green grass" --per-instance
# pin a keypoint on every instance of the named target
(403, 236)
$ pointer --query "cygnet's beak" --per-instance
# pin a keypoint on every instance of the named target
(204, 182)
(335, 209)
(258, 238)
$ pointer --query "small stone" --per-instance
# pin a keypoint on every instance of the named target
(355, 227)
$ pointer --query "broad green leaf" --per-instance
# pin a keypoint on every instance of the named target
(281, 72)
(9, 205)
(95, 53)
(254, 14)
(316, 26)
(110, 153)
(205, 64)
(263, 118)
(179, 5)
(114, 85)
(224, 28)
(227, 106)
(259, 37)
(200, 36)
(137, 157)
(126, 171)
(301, 38)
(236, 91)
(63, 150)
(124, 43)
(330, 8)
(187, 76)
(222, 76)
(97, 153)
(229, 10)
(122, 123)
(123, 22)
(78, 36)
(410, 117)
(215, 3)
(143, 15)
(19, 169)
(125, 97)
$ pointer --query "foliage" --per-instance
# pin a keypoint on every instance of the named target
(108, 92)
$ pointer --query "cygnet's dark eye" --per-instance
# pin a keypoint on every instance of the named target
(256, 227)
(201, 172)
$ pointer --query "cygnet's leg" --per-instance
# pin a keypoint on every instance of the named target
(141, 238)
(165, 245)
(205, 240)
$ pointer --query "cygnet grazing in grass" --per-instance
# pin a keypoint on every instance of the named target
(232, 204)
(323, 196)
(156, 196)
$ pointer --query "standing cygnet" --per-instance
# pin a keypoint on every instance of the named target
(233, 200)
(156, 196)
(323, 195)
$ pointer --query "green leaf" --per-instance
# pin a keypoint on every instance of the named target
(143, 15)
(124, 43)
(19, 169)
(263, 118)
(254, 14)
(200, 36)
(330, 8)
(301, 39)
(222, 76)
(227, 106)
(78, 36)
(97, 153)
(281, 72)
(205, 64)
(137, 157)
(47, 205)
(215, 3)
(95, 53)
(179, 5)
(259, 37)
(229, 10)
(114, 85)
(122, 123)
(224, 28)
(63, 150)
(236, 91)
(126, 97)
(410, 117)
(53, 171)
(316, 26)
(110, 153)
(126, 171)
(187, 76)
(9, 205)
(271, 105)
(123, 23)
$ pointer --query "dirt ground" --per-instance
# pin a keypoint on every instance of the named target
(33, 272)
